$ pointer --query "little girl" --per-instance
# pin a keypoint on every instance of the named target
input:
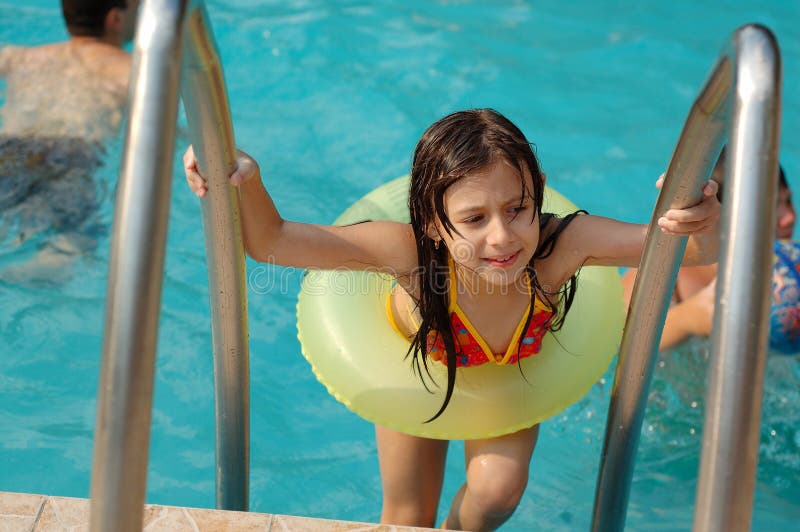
(475, 200)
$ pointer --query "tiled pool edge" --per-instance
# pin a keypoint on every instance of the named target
(42, 513)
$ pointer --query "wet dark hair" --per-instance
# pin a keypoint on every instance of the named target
(457, 146)
(86, 18)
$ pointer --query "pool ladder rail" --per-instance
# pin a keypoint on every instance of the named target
(174, 49)
(739, 105)
(173, 41)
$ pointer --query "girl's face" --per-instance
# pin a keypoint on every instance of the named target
(496, 230)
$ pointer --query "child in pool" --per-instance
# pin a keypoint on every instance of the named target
(475, 199)
(691, 311)
(64, 102)
(74, 88)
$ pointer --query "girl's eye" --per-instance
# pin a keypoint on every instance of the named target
(473, 219)
(518, 209)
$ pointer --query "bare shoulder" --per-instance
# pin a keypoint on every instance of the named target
(22, 60)
(568, 236)
(38, 53)
(563, 256)
(110, 62)
(596, 240)
(118, 62)
(10, 57)
(28, 58)
(588, 240)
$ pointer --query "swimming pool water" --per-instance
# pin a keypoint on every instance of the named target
(331, 97)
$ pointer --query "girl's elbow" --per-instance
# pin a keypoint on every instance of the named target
(260, 246)
(258, 254)
(254, 251)
(253, 254)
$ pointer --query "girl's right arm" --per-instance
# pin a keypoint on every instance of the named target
(384, 246)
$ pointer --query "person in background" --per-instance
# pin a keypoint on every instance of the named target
(692, 309)
(74, 88)
(64, 102)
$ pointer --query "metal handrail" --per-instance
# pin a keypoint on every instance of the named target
(206, 103)
(741, 98)
(136, 265)
(741, 327)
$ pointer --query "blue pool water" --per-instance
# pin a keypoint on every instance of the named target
(331, 97)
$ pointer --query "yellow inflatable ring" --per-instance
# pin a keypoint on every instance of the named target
(355, 353)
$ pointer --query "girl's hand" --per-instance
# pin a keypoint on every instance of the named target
(193, 177)
(246, 168)
(696, 219)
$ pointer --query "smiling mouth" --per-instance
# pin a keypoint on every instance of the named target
(506, 260)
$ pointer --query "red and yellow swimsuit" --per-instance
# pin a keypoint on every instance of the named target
(471, 348)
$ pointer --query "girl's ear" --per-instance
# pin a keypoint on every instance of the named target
(544, 178)
(432, 232)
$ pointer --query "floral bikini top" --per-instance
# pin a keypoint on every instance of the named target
(472, 349)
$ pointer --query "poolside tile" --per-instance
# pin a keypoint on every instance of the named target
(170, 518)
(20, 511)
(63, 514)
(163, 518)
(216, 520)
(15, 523)
(19, 505)
(287, 523)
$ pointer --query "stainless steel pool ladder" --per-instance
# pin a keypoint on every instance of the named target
(740, 104)
(166, 30)
(742, 98)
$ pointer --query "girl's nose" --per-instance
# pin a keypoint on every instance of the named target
(498, 233)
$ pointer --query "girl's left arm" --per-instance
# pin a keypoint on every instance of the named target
(594, 240)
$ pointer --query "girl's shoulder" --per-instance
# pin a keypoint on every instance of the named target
(558, 232)
(560, 242)
(596, 240)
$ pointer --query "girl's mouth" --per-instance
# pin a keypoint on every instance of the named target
(503, 261)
